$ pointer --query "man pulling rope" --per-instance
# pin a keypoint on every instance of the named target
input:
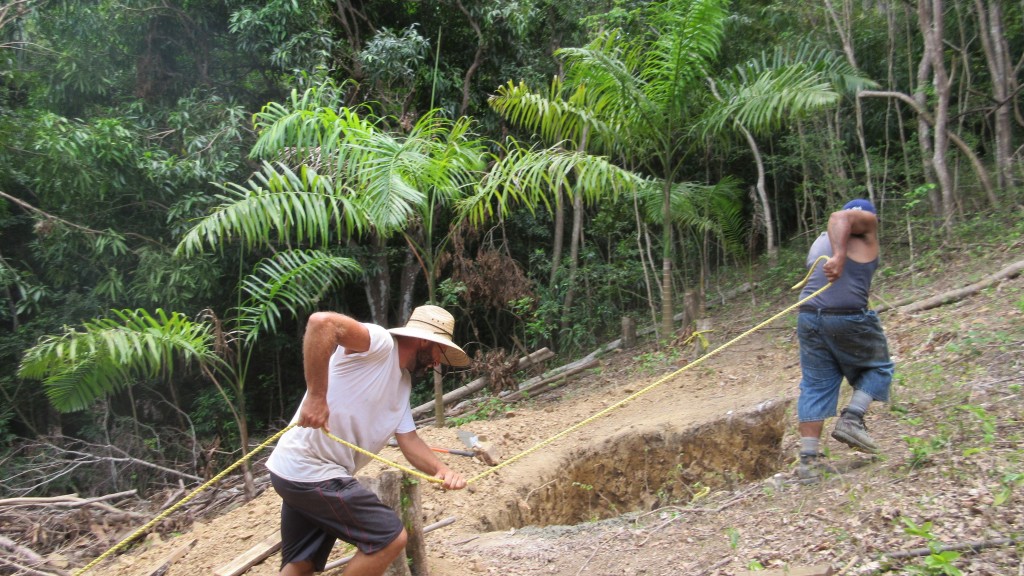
(358, 381)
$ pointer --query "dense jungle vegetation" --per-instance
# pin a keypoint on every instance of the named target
(183, 181)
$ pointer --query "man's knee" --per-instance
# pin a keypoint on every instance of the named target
(399, 542)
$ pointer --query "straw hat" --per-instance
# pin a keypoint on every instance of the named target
(435, 324)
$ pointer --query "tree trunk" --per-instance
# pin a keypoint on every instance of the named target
(407, 285)
(243, 436)
(844, 29)
(924, 131)
(377, 281)
(931, 20)
(646, 258)
(467, 80)
(667, 308)
(762, 195)
(559, 233)
(575, 241)
(923, 115)
(993, 40)
(388, 487)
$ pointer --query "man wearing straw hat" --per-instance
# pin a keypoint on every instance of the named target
(358, 381)
(841, 338)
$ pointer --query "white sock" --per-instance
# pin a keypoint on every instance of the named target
(860, 402)
(809, 445)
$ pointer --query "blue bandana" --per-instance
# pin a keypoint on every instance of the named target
(861, 204)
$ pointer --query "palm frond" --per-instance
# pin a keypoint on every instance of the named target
(715, 209)
(843, 77)
(295, 281)
(107, 355)
(559, 116)
(766, 102)
(689, 37)
(526, 175)
(280, 205)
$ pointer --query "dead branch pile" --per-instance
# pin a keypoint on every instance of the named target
(47, 535)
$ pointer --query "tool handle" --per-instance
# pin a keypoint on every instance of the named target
(453, 451)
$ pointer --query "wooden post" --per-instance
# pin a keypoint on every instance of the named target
(412, 517)
(401, 493)
(699, 346)
(388, 487)
(628, 332)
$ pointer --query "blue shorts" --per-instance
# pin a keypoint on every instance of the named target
(316, 514)
(836, 346)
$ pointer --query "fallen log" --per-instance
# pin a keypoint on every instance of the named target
(27, 570)
(251, 557)
(525, 362)
(71, 501)
(555, 373)
(39, 500)
(976, 546)
(546, 384)
(27, 555)
(1010, 271)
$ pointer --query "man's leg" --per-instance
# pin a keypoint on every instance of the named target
(375, 564)
(868, 367)
(819, 394)
(811, 429)
(303, 568)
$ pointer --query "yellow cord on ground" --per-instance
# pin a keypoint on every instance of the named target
(182, 502)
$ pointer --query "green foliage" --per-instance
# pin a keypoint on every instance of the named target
(654, 362)
(939, 561)
(294, 281)
(212, 416)
(922, 450)
(485, 411)
(109, 354)
(1009, 482)
(734, 537)
(288, 34)
(392, 58)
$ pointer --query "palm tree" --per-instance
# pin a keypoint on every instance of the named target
(569, 118)
(708, 212)
(647, 84)
(390, 183)
(655, 95)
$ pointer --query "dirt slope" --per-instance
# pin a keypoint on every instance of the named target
(696, 475)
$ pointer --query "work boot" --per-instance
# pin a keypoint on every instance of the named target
(813, 467)
(850, 430)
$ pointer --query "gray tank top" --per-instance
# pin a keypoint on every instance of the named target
(849, 292)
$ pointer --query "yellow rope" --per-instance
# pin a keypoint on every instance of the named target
(182, 502)
(405, 469)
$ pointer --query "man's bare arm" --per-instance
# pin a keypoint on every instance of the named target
(423, 458)
(841, 226)
(325, 331)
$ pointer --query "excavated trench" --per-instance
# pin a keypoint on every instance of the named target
(643, 468)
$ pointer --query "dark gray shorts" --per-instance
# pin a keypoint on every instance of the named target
(315, 514)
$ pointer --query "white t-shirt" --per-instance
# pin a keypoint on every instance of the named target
(368, 396)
